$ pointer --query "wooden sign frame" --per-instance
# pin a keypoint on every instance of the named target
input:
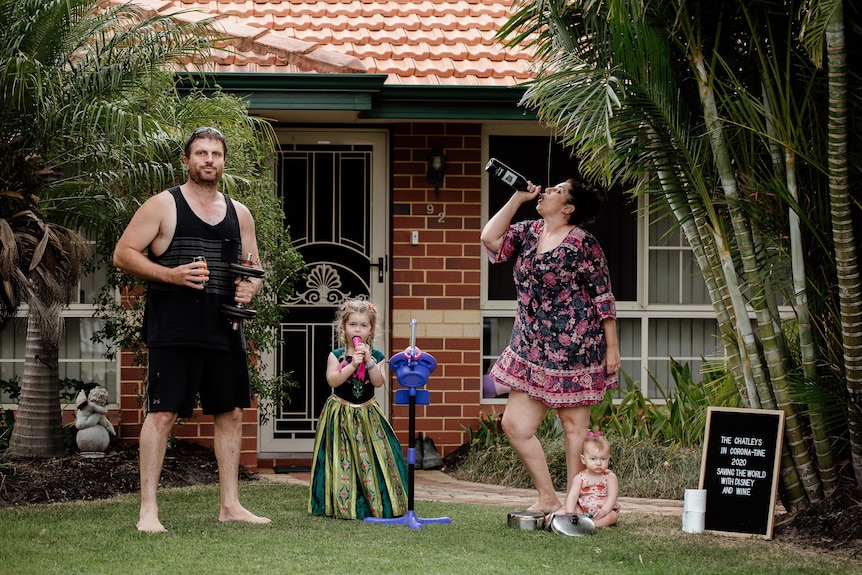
(740, 470)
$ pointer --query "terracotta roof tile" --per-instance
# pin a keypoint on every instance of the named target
(401, 67)
(315, 9)
(425, 68)
(415, 51)
(355, 36)
(296, 22)
(444, 21)
(454, 51)
(371, 21)
(390, 8)
(414, 42)
(408, 22)
(381, 51)
(352, 9)
(432, 36)
(159, 5)
(321, 36)
(481, 68)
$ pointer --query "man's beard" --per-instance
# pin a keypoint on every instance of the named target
(208, 181)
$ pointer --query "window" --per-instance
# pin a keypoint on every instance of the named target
(674, 276)
(79, 357)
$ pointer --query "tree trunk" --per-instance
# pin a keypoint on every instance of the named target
(796, 463)
(849, 286)
(38, 430)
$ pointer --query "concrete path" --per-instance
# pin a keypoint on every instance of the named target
(437, 486)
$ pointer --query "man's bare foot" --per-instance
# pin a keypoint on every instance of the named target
(241, 514)
(151, 525)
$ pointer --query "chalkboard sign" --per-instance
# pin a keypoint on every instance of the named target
(739, 470)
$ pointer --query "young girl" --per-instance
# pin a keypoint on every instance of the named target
(596, 488)
(358, 469)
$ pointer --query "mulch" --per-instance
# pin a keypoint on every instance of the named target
(77, 478)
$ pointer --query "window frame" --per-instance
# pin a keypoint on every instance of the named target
(72, 310)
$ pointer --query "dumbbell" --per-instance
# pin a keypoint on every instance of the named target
(237, 312)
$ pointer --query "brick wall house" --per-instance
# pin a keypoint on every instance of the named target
(412, 76)
(438, 281)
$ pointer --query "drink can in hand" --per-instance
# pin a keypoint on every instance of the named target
(204, 260)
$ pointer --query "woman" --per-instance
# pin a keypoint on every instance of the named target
(563, 353)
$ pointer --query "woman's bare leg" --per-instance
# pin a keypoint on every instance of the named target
(576, 424)
(520, 422)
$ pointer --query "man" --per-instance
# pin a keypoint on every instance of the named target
(192, 347)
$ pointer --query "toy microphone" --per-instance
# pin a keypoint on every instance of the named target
(360, 371)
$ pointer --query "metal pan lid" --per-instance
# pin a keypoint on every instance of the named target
(573, 525)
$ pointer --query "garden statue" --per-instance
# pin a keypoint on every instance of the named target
(94, 428)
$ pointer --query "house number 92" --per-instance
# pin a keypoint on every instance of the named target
(441, 217)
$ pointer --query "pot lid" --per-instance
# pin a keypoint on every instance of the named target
(573, 525)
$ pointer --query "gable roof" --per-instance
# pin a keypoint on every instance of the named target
(411, 42)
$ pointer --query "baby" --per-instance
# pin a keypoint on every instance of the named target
(596, 488)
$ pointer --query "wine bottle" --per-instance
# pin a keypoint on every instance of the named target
(506, 174)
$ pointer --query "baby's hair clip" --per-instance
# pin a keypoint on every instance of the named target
(594, 434)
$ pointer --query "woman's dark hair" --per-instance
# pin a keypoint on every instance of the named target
(587, 200)
(205, 132)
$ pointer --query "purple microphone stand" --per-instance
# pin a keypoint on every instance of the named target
(412, 371)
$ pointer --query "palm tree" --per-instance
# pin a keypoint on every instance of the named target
(40, 262)
(712, 110)
(76, 132)
(824, 32)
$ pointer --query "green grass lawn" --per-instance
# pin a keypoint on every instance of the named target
(100, 538)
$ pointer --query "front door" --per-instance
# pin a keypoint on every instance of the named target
(333, 184)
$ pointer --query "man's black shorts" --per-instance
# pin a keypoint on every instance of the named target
(178, 374)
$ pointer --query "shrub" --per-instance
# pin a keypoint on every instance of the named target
(655, 447)
(645, 468)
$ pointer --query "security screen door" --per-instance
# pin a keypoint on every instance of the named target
(334, 189)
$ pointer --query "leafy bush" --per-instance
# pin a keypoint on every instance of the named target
(680, 419)
(655, 446)
(7, 421)
(645, 468)
(654, 470)
(69, 388)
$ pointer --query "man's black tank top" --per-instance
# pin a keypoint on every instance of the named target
(178, 315)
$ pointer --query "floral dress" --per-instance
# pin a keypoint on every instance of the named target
(556, 353)
(591, 498)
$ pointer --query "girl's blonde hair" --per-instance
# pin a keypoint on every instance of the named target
(596, 439)
(350, 307)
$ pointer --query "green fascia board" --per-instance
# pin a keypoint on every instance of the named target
(365, 94)
(266, 91)
(450, 103)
